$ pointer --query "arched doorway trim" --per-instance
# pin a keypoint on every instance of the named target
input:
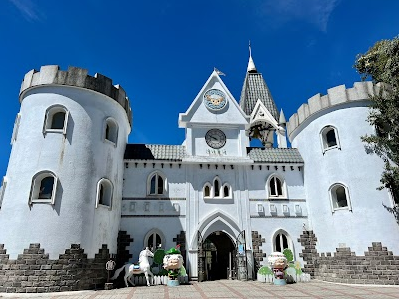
(216, 221)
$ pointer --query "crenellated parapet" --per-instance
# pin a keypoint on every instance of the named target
(78, 77)
(335, 96)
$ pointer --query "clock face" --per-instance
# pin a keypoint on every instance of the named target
(215, 138)
(215, 99)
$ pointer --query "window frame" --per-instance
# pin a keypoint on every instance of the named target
(15, 130)
(323, 138)
(107, 183)
(283, 187)
(50, 112)
(158, 174)
(3, 189)
(333, 198)
(36, 184)
(110, 122)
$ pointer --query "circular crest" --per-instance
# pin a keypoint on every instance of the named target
(215, 99)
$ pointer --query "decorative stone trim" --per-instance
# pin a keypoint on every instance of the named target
(34, 272)
(257, 242)
(309, 252)
(151, 216)
(268, 216)
(277, 200)
(153, 198)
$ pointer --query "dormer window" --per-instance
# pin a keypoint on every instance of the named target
(329, 138)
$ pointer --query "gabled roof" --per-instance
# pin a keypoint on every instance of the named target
(178, 152)
(274, 155)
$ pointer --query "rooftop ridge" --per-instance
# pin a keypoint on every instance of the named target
(335, 96)
(74, 76)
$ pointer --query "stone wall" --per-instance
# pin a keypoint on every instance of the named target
(377, 266)
(34, 272)
(257, 242)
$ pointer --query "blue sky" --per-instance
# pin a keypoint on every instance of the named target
(162, 52)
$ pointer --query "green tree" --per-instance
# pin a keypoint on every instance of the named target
(381, 64)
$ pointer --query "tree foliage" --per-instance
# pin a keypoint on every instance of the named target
(381, 64)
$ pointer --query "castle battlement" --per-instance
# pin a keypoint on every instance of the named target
(78, 77)
(335, 96)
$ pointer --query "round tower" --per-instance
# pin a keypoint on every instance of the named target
(345, 208)
(65, 174)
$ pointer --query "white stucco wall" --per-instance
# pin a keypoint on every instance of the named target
(368, 221)
(79, 160)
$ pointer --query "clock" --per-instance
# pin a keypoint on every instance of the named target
(215, 138)
(215, 99)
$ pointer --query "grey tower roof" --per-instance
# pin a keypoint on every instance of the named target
(255, 88)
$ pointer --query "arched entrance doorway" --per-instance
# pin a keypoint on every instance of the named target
(219, 253)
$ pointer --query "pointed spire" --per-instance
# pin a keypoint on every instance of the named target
(282, 120)
(251, 65)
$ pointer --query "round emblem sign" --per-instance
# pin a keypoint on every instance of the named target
(214, 99)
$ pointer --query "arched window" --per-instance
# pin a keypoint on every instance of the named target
(104, 193)
(156, 184)
(16, 128)
(276, 187)
(216, 187)
(207, 190)
(56, 120)
(281, 241)
(217, 190)
(339, 196)
(329, 138)
(111, 131)
(44, 186)
(154, 239)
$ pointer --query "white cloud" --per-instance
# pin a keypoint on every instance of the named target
(316, 12)
(27, 9)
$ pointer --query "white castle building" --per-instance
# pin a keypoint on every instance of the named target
(73, 184)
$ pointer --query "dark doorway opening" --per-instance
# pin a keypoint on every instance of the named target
(219, 252)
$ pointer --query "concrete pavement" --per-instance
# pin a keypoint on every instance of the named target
(229, 289)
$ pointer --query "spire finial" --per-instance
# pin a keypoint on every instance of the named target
(251, 65)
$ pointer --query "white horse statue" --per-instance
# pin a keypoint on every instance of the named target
(142, 267)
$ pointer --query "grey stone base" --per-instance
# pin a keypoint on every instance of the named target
(34, 272)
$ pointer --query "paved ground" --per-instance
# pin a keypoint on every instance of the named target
(230, 289)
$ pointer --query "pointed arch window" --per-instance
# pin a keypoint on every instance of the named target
(281, 241)
(339, 197)
(276, 187)
(156, 184)
(111, 131)
(44, 187)
(217, 190)
(329, 138)
(56, 120)
(16, 128)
